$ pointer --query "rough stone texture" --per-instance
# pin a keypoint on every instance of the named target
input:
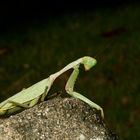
(56, 119)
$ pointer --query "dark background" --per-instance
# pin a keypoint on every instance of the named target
(13, 13)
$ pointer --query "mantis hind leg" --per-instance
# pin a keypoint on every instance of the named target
(70, 86)
(18, 104)
(25, 105)
(17, 107)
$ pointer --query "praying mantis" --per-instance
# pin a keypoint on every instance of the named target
(29, 97)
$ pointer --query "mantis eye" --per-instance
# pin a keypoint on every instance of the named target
(89, 62)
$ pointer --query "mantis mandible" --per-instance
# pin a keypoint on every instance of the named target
(31, 96)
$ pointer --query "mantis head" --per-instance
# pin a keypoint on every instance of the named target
(89, 62)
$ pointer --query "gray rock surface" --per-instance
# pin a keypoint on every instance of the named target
(56, 119)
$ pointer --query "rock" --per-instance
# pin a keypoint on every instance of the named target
(56, 119)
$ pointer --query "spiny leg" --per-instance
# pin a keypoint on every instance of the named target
(70, 86)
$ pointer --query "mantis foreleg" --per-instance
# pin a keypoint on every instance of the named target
(70, 86)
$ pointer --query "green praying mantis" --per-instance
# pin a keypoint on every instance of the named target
(29, 97)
